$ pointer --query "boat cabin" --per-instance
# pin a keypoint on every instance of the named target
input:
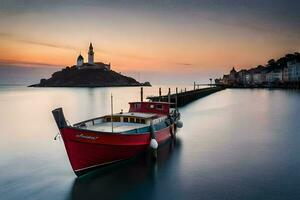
(161, 108)
(138, 119)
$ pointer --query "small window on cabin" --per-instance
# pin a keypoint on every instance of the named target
(116, 119)
(108, 119)
(137, 105)
(151, 106)
(138, 120)
(131, 120)
(159, 107)
(143, 121)
(125, 119)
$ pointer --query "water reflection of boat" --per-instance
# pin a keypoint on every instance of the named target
(111, 138)
(127, 177)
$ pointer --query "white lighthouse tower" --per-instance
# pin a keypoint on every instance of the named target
(91, 54)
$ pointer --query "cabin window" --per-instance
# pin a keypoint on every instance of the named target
(143, 121)
(137, 105)
(116, 119)
(138, 120)
(125, 119)
(159, 107)
(108, 119)
(97, 121)
(132, 120)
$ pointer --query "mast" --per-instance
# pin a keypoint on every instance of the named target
(112, 112)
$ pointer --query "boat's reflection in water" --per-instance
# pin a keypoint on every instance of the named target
(127, 178)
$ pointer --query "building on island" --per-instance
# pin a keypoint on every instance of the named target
(91, 55)
(80, 60)
(91, 64)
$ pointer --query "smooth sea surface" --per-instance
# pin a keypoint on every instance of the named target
(235, 144)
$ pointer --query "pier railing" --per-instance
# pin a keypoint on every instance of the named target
(184, 97)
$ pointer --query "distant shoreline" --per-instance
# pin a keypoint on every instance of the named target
(284, 87)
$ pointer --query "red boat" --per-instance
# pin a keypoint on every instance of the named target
(111, 138)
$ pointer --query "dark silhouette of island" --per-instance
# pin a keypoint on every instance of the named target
(88, 77)
(88, 74)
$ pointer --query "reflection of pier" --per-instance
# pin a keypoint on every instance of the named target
(184, 97)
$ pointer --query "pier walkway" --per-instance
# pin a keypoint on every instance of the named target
(185, 97)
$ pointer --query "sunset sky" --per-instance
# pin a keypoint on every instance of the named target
(167, 38)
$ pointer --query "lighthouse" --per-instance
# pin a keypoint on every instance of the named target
(91, 55)
(91, 64)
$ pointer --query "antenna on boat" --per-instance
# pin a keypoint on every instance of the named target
(142, 94)
(112, 112)
(159, 93)
(169, 96)
(176, 108)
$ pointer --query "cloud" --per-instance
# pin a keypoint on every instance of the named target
(28, 41)
(4, 62)
(184, 64)
(47, 44)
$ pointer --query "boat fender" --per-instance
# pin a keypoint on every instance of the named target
(179, 124)
(153, 144)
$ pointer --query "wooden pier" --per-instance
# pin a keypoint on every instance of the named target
(185, 97)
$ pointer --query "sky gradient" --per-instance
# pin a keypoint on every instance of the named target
(167, 38)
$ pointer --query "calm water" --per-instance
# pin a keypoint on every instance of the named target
(235, 144)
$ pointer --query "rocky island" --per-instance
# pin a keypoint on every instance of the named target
(90, 74)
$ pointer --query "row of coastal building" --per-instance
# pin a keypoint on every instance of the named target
(283, 71)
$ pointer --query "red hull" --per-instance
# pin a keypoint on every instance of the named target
(88, 149)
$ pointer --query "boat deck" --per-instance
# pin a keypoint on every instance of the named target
(118, 127)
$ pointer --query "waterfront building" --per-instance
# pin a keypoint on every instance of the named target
(91, 64)
(274, 76)
(293, 70)
(233, 75)
(259, 78)
(259, 75)
(249, 77)
(242, 76)
(285, 74)
(281, 72)
(225, 79)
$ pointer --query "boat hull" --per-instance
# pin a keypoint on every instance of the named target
(89, 149)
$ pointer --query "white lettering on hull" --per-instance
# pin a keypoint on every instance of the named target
(86, 137)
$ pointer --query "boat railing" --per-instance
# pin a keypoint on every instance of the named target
(89, 122)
